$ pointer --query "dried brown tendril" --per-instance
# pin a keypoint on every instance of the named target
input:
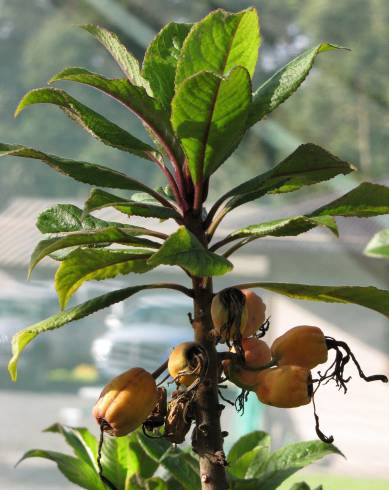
(343, 355)
(320, 434)
(220, 387)
(241, 400)
(263, 329)
(104, 425)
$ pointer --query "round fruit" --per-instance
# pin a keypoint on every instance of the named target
(255, 312)
(243, 378)
(284, 386)
(229, 314)
(302, 346)
(256, 352)
(126, 402)
(182, 360)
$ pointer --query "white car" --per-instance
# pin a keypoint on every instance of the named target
(142, 333)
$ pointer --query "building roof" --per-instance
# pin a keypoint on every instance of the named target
(20, 236)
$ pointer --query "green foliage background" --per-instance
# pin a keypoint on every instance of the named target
(38, 38)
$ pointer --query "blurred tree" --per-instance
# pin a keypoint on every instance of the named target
(37, 39)
(345, 108)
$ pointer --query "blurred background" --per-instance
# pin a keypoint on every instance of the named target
(343, 106)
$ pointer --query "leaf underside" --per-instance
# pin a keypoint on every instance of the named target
(379, 245)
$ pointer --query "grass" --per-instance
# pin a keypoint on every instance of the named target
(336, 482)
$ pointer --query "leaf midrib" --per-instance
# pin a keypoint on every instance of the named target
(214, 99)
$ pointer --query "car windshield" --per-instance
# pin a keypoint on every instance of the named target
(171, 315)
(20, 308)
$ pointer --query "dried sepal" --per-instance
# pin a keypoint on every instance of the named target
(179, 417)
(156, 419)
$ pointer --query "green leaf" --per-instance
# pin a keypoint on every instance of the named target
(209, 117)
(98, 236)
(115, 458)
(367, 296)
(308, 164)
(95, 124)
(137, 483)
(156, 484)
(365, 200)
(145, 198)
(89, 173)
(160, 61)
(75, 470)
(22, 338)
(220, 42)
(127, 62)
(283, 463)
(140, 463)
(100, 199)
(173, 484)
(251, 447)
(249, 462)
(83, 443)
(286, 227)
(172, 460)
(379, 245)
(134, 482)
(182, 248)
(300, 486)
(284, 83)
(135, 98)
(98, 264)
(248, 442)
(63, 218)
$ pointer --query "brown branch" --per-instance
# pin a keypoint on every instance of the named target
(168, 285)
(157, 373)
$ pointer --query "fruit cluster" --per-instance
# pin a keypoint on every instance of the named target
(279, 374)
(133, 398)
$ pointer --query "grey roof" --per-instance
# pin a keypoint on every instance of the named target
(20, 236)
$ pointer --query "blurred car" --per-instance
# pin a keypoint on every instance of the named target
(23, 304)
(142, 332)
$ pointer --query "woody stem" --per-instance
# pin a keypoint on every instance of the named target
(207, 439)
